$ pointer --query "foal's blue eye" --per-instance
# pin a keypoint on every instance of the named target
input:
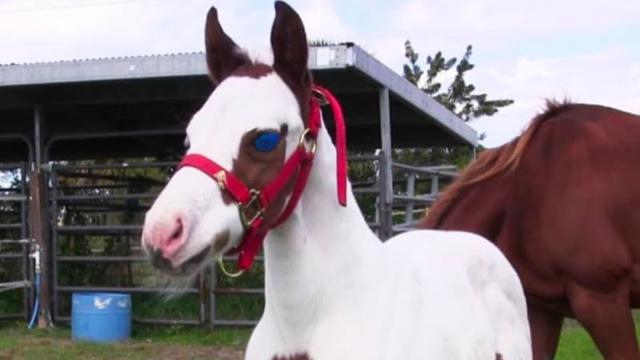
(266, 141)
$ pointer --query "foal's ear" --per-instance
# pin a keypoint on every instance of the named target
(223, 55)
(289, 44)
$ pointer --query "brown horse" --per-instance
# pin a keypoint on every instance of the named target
(562, 201)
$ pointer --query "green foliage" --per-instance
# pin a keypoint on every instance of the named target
(240, 306)
(459, 96)
(11, 302)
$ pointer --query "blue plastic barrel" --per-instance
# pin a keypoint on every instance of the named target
(101, 317)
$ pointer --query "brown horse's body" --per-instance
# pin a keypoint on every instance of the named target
(562, 202)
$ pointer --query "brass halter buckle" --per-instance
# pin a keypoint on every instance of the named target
(307, 142)
(254, 202)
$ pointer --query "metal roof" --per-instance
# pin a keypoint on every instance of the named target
(116, 68)
(136, 93)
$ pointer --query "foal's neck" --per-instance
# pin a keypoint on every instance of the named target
(323, 248)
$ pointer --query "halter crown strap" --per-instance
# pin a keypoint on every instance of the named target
(300, 162)
(341, 143)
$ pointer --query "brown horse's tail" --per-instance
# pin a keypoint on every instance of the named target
(489, 164)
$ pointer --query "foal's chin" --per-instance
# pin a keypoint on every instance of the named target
(185, 268)
(189, 267)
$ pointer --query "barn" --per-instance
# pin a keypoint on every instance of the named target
(85, 146)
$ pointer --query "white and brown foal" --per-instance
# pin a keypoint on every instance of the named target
(332, 289)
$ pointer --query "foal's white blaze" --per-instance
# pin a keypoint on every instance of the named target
(239, 105)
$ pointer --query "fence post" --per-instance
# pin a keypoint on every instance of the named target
(39, 219)
(411, 192)
(435, 185)
(39, 233)
(386, 167)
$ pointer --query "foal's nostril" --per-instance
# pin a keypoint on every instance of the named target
(159, 261)
(177, 232)
(172, 238)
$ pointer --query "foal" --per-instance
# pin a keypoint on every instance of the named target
(260, 163)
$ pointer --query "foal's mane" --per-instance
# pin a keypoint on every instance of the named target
(491, 163)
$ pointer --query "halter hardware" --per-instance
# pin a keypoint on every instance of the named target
(254, 202)
(227, 272)
(307, 142)
(221, 179)
(299, 163)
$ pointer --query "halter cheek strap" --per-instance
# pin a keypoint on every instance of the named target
(252, 203)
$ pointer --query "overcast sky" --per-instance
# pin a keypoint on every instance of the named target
(587, 50)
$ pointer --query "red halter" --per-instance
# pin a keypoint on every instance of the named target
(257, 200)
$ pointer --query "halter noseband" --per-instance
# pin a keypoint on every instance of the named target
(253, 202)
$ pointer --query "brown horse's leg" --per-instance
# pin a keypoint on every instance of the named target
(545, 332)
(608, 320)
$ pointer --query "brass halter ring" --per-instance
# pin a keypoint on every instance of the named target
(227, 272)
(320, 97)
(308, 144)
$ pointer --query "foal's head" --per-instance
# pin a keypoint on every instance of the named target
(249, 125)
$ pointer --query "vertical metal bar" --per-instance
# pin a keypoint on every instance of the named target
(212, 295)
(378, 205)
(411, 186)
(386, 193)
(435, 185)
(202, 298)
(378, 214)
(54, 240)
(27, 291)
(37, 135)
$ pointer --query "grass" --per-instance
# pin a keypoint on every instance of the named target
(179, 342)
(16, 342)
(576, 344)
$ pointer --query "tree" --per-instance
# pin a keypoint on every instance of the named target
(459, 96)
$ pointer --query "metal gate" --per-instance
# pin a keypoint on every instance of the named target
(97, 211)
(15, 269)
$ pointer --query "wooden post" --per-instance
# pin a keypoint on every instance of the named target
(39, 232)
(38, 206)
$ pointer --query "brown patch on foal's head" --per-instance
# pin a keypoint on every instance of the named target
(254, 71)
(290, 54)
(257, 169)
(290, 51)
(491, 163)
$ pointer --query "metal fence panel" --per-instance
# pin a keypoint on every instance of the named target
(15, 269)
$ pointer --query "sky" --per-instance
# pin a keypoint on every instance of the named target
(528, 51)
